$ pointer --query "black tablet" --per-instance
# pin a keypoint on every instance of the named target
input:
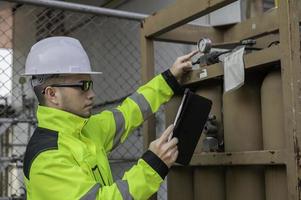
(189, 123)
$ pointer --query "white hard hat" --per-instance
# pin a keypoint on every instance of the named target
(58, 55)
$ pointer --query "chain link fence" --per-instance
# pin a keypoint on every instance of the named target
(113, 46)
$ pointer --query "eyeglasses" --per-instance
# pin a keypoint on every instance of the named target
(83, 85)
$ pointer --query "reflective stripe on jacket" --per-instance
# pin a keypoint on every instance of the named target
(66, 157)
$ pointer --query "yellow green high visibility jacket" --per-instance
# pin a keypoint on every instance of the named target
(66, 158)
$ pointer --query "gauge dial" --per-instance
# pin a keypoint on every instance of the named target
(204, 45)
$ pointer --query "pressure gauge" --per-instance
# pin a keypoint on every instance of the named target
(204, 45)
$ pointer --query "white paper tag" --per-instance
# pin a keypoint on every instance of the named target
(203, 74)
(234, 70)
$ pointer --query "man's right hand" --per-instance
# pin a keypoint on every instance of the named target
(165, 149)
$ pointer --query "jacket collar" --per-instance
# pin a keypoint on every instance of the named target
(59, 120)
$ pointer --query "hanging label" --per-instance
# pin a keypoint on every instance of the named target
(234, 69)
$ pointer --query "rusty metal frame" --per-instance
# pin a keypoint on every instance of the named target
(252, 60)
(271, 157)
(179, 14)
(283, 21)
(291, 76)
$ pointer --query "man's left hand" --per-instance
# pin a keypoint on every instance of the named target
(182, 64)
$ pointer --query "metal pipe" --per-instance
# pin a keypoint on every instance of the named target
(12, 198)
(83, 8)
(5, 159)
(11, 159)
(16, 120)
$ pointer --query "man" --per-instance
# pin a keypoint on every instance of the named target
(66, 158)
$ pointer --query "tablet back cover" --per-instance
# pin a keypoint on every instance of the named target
(190, 123)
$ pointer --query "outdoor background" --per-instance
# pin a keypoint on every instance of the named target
(113, 45)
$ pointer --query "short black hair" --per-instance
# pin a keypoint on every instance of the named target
(39, 82)
(38, 90)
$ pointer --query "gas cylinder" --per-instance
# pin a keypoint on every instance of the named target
(209, 182)
(213, 91)
(243, 132)
(273, 133)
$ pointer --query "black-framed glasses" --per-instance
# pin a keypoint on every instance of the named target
(83, 85)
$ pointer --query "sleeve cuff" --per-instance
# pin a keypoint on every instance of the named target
(156, 163)
(172, 82)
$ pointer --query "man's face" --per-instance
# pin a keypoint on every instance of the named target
(74, 99)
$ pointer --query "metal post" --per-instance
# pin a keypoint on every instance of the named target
(16, 120)
(243, 132)
(83, 8)
(207, 179)
(273, 133)
(290, 75)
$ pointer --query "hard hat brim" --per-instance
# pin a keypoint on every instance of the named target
(66, 73)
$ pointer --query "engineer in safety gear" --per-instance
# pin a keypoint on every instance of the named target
(67, 155)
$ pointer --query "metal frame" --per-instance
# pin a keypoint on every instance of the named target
(83, 8)
(283, 21)
(271, 157)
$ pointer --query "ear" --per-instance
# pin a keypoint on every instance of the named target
(51, 95)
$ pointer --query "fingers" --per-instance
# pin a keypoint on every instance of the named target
(171, 144)
(185, 61)
(187, 66)
(166, 150)
(174, 155)
(188, 56)
(165, 135)
(191, 54)
(182, 65)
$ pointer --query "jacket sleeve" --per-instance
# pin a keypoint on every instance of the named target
(111, 127)
(66, 180)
